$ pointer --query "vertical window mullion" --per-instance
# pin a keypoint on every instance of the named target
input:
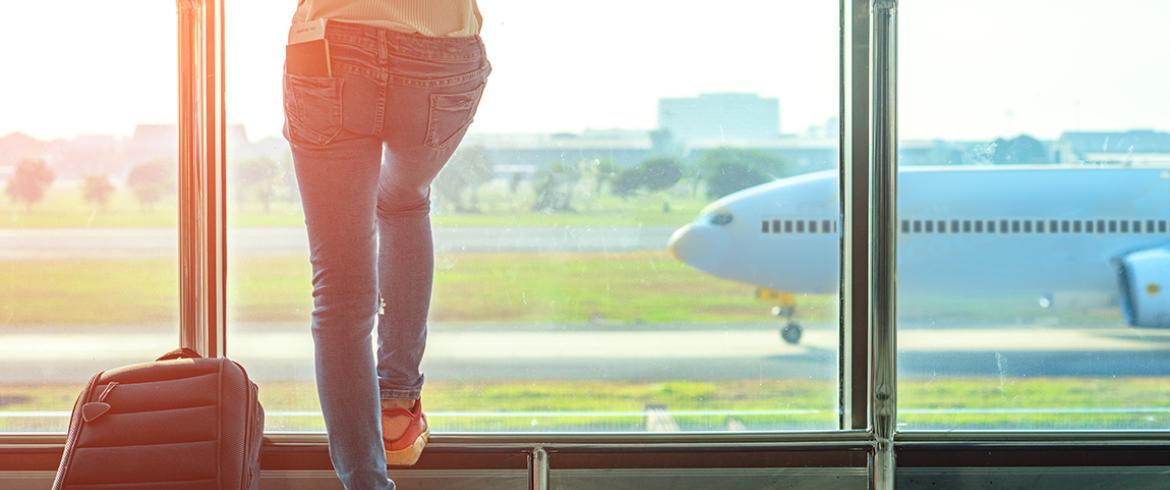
(202, 160)
(884, 242)
(854, 182)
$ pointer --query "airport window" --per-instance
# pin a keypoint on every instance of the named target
(542, 324)
(1002, 376)
(88, 233)
(513, 243)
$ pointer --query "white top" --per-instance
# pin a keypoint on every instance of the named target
(435, 18)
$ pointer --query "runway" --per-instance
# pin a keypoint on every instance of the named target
(658, 352)
(56, 243)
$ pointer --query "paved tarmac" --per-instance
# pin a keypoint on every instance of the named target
(659, 352)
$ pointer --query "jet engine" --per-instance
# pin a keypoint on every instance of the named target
(1145, 287)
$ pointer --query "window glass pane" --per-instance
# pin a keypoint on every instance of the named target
(1021, 112)
(88, 254)
(561, 301)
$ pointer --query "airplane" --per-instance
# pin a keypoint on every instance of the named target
(1050, 232)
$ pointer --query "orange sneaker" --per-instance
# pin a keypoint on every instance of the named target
(405, 450)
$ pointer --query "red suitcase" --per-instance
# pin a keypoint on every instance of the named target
(181, 422)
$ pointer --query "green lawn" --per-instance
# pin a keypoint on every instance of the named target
(627, 288)
(618, 288)
(618, 406)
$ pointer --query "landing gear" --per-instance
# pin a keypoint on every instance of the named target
(792, 331)
(786, 309)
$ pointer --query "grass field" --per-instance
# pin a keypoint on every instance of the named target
(947, 404)
(619, 288)
(627, 288)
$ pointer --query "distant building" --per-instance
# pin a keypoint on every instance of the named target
(800, 155)
(511, 153)
(723, 116)
(1131, 147)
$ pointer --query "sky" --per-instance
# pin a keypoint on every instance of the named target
(967, 70)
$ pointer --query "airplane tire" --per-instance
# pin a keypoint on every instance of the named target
(791, 333)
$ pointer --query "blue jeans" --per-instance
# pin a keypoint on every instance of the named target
(366, 144)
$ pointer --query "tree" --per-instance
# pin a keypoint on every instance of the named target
(467, 171)
(626, 182)
(554, 187)
(604, 171)
(727, 170)
(97, 190)
(29, 182)
(514, 182)
(653, 174)
(660, 173)
(1021, 149)
(258, 176)
(150, 182)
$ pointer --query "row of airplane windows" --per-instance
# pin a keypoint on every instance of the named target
(983, 226)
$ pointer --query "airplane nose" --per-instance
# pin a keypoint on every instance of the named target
(693, 245)
(678, 244)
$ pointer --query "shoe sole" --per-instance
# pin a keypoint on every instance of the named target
(408, 456)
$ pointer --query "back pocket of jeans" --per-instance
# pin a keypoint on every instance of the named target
(450, 114)
(313, 107)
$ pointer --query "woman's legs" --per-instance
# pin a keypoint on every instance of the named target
(423, 126)
(405, 272)
(338, 187)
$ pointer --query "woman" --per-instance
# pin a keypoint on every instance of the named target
(402, 82)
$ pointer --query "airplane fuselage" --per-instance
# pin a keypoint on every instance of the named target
(1043, 232)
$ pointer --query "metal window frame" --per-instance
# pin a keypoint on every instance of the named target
(867, 385)
(202, 171)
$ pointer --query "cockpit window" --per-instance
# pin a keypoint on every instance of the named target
(720, 219)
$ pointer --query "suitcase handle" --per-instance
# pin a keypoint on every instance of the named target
(180, 353)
